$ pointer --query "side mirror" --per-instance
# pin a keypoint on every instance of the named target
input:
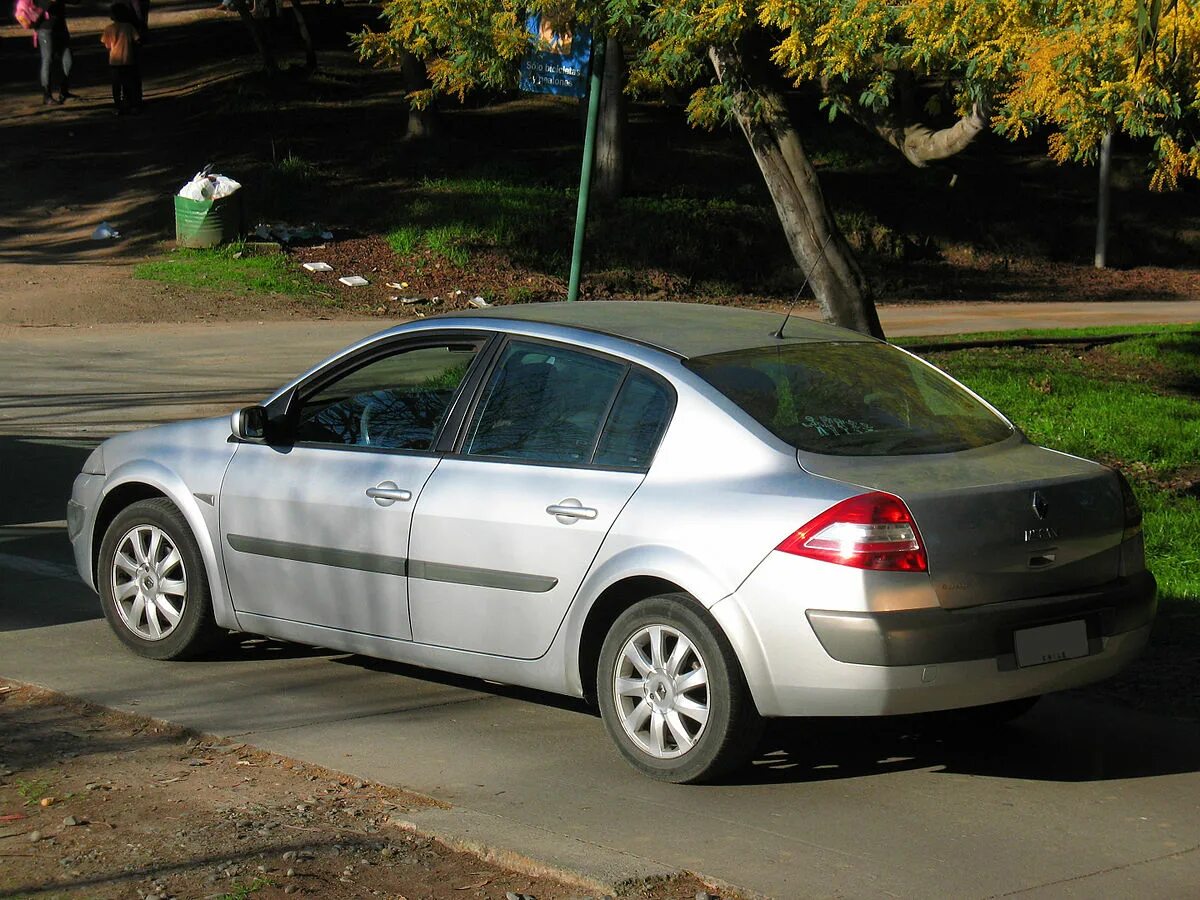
(250, 424)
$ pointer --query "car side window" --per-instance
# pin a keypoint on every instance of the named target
(395, 403)
(544, 404)
(636, 423)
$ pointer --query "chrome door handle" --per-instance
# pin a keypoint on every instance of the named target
(570, 510)
(386, 493)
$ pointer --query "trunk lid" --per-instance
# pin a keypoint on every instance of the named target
(976, 512)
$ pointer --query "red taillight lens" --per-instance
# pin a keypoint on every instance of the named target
(1132, 509)
(871, 531)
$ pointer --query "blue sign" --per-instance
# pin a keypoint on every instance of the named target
(558, 62)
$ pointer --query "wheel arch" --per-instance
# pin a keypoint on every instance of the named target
(141, 480)
(613, 600)
(115, 500)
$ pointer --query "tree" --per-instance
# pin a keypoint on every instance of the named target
(927, 76)
(608, 180)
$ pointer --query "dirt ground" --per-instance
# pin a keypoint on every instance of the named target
(100, 804)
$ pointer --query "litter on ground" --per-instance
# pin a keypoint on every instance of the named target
(318, 267)
(353, 280)
(105, 232)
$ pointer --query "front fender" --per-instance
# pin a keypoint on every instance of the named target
(201, 517)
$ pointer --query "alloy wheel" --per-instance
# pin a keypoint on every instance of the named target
(660, 691)
(149, 582)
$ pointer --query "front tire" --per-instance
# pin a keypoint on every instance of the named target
(672, 694)
(153, 585)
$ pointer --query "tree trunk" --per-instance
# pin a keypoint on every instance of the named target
(310, 52)
(608, 178)
(259, 34)
(816, 242)
(422, 123)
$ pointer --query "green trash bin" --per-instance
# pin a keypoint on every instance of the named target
(207, 223)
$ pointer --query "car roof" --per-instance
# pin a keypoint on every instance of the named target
(685, 329)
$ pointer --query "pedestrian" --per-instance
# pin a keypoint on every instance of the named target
(121, 38)
(53, 40)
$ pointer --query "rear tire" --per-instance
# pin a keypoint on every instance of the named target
(672, 694)
(153, 584)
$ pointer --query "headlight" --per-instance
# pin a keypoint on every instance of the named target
(94, 465)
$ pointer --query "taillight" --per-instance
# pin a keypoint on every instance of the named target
(1132, 509)
(871, 531)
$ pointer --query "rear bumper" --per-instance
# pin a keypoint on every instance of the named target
(932, 636)
(856, 663)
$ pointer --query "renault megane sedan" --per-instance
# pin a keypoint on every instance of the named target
(681, 512)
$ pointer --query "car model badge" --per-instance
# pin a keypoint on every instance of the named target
(1040, 506)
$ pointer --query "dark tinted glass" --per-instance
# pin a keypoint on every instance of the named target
(545, 404)
(394, 403)
(852, 399)
(635, 425)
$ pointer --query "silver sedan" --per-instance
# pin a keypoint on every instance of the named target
(692, 517)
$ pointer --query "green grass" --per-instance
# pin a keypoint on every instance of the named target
(32, 791)
(531, 223)
(1099, 331)
(242, 891)
(229, 268)
(1137, 405)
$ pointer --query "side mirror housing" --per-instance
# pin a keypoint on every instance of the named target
(250, 424)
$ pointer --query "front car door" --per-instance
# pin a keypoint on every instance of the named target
(316, 530)
(506, 530)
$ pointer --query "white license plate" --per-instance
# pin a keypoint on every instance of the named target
(1051, 643)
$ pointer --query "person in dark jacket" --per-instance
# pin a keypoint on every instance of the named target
(53, 39)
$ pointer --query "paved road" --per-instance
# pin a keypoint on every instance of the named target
(1076, 800)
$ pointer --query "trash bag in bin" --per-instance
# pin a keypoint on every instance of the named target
(208, 211)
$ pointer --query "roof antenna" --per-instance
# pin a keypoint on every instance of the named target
(779, 333)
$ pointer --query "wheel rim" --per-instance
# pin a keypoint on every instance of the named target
(660, 690)
(149, 582)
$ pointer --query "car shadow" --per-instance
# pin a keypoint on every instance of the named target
(1064, 739)
(467, 683)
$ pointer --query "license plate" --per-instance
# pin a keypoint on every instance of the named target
(1051, 643)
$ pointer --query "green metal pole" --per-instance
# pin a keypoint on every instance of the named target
(585, 174)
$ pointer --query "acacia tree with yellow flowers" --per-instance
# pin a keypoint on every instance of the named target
(928, 77)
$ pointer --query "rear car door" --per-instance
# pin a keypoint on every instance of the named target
(316, 530)
(506, 530)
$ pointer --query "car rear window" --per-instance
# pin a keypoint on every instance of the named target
(852, 399)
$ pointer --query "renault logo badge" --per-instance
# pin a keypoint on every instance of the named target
(1040, 506)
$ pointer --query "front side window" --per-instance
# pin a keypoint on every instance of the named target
(397, 402)
(852, 399)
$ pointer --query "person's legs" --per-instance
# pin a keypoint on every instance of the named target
(117, 83)
(135, 86)
(46, 47)
(68, 60)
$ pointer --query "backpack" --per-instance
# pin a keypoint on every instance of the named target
(28, 14)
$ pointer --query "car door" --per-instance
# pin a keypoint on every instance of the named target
(316, 530)
(506, 529)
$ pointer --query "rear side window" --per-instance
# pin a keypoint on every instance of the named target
(852, 399)
(637, 421)
(544, 404)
